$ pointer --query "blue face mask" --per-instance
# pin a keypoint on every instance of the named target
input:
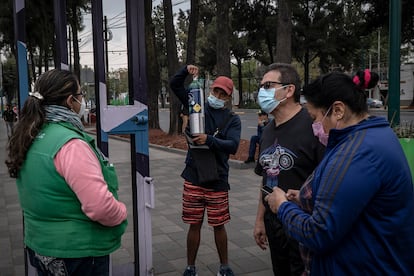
(267, 100)
(215, 103)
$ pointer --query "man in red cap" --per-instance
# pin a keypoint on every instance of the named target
(220, 138)
(224, 83)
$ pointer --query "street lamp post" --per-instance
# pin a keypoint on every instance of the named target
(394, 66)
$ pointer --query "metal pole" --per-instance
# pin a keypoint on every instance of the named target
(129, 119)
(99, 68)
(70, 47)
(23, 79)
(61, 57)
(137, 84)
(21, 51)
(379, 53)
(106, 43)
(394, 65)
(108, 94)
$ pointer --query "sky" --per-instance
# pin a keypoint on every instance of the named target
(116, 20)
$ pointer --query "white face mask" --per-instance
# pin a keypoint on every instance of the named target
(215, 102)
(267, 100)
(82, 107)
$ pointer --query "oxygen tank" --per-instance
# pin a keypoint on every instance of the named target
(196, 107)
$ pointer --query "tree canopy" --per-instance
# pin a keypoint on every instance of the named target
(325, 35)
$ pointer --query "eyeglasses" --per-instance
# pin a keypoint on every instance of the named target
(270, 84)
(83, 94)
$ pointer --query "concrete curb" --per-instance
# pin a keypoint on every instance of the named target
(168, 149)
(235, 164)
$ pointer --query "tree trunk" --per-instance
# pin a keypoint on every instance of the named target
(74, 29)
(240, 80)
(153, 69)
(284, 33)
(306, 65)
(223, 38)
(39, 63)
(270, 48)
(173, 66)
(192, 33)
(412, 101)
(46, 59)
(32, 65)
(191, 43)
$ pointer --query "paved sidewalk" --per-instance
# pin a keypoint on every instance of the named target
(169, 232)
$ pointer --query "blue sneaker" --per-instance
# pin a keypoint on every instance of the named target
(225, 272)
(190, 271)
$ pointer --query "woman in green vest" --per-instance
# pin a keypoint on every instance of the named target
(67, 189)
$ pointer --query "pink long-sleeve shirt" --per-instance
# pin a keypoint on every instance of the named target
(83, 174)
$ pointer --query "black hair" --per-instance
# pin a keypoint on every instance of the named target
(337, 86)
(288, 75)
(54, 87)
(365, 79)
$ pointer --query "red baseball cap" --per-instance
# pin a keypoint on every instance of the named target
(224, 83)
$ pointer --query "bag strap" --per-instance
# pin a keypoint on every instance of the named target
(223, 124)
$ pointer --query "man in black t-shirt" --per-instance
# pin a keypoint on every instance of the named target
(9, 118)
(288, 153)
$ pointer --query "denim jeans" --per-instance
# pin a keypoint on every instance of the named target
(86, 266)
(254, 140)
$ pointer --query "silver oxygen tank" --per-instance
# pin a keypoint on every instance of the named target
(196, 107)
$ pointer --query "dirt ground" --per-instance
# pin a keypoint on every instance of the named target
(159, 137)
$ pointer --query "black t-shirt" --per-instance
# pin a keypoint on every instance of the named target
(289, 152)
(9, 116)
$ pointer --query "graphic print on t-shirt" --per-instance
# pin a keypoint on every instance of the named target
(275, 159)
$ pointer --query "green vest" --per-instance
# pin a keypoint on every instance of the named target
(54, 224)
